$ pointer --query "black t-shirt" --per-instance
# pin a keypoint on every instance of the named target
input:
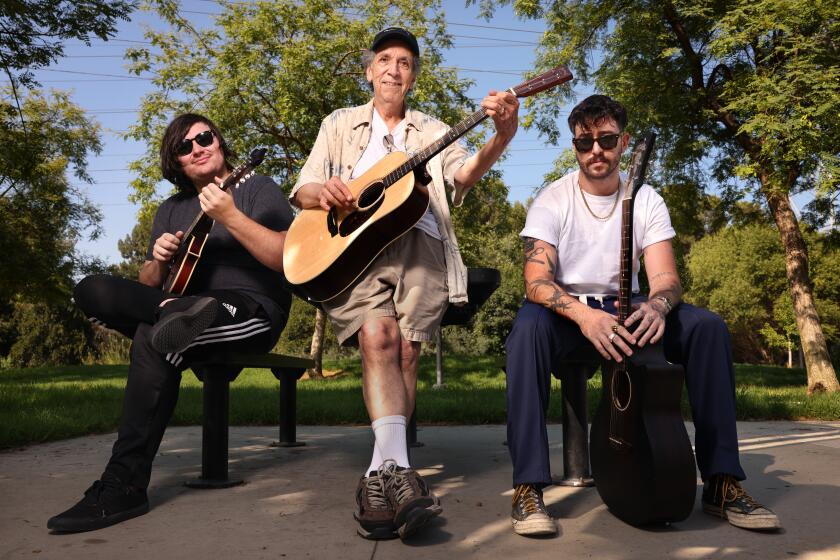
(225, 264)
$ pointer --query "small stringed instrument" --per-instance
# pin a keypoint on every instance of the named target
(326, 251)
(186, 258)
(642, 460)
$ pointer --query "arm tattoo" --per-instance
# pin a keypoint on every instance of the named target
(532, 252)
(665, 273)
(557, 300)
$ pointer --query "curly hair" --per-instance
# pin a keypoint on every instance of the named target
(175, 132)
(594, 110)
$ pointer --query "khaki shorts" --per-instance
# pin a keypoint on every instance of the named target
(406, 281)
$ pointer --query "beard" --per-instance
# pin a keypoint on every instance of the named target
(597, 175)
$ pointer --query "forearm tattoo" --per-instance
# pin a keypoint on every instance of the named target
(555, 299)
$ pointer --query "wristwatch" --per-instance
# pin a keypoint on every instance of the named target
(668, 305)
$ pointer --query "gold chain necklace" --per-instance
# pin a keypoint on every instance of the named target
(594, 215)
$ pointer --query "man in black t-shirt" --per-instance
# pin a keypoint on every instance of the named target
(233, 302)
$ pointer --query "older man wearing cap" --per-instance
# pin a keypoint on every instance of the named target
(398, 302)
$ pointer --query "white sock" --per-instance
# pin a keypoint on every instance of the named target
(390, 442)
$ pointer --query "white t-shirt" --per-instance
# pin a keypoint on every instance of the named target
(383, 142)
(588, 250)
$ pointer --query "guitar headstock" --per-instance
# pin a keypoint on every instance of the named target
(638, 165)
(544, 81)
(245, 170)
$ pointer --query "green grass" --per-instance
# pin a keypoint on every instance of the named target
(44, 404)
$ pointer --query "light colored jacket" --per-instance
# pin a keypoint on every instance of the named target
(342, 140)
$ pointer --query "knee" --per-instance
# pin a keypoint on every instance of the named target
(711, 323)
(380, 335)
(533, 323)
(89, 291)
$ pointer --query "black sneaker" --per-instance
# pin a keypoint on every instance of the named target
(413, 501)
(175, 331)
(528, 513)
(723, 497)
(374, 511)
(106, 502)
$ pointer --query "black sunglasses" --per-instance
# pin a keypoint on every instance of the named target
(203, 139)
(607, 142)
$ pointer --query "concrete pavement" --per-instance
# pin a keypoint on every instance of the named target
(298, 502)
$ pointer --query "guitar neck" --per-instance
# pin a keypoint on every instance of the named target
(423, 156)
(625, 278)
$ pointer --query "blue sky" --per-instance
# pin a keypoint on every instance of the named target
(494, 54)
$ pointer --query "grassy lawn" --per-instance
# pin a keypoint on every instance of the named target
(43, 404)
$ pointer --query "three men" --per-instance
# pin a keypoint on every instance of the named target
(398, 302)
(233, 303)
(572, 243)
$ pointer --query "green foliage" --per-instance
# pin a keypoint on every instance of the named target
(134, 245)
(44, 334)
(42, 216)
(739, 273)
(748, 87)
(32, 31)
(267, 73)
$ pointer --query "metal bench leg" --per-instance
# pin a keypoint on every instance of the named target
(214, 434)
(411, 431)
(575, 428)
(288, 407)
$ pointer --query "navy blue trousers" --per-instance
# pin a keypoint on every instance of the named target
(694, 337)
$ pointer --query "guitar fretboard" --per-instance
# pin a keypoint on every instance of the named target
(433, 149)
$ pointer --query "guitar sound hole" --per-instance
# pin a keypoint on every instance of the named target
(622, 389)
(371, 195)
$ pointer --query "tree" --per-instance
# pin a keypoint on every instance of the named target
(32, 33)
(269, 72)
(749, 89)
(739, 273)
(42, 215)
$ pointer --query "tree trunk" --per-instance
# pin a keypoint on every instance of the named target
(316, 351)
(821, 375)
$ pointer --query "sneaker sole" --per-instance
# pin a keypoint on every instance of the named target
(175, 332)
(534, 527)
(417, 518)
(753, 522)
(375, 533)
(81, 526)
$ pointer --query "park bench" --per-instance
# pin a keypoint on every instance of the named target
(217, 372)
(481, 283)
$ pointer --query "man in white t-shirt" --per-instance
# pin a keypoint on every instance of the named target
(572, 243)
(399, 301)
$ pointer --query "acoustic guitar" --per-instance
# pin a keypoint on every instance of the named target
(185, 260)
(642, 460)
(325, 251)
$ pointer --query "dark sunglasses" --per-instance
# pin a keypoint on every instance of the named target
(203, 139)
(607, 142)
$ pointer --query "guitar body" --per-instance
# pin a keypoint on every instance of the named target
(326, 251)
(649, 475)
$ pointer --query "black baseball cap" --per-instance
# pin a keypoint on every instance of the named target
(396, 34)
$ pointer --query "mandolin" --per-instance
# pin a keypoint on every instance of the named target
(642, 460)
(185, 260)
(326, 251)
